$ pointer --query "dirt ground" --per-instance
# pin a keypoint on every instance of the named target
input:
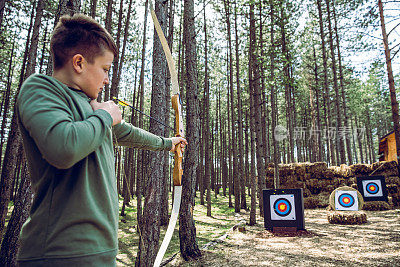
(376, 243)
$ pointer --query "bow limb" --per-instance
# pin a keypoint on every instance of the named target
(178, 170)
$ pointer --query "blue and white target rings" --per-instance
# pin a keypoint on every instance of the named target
(282, 207)
(373, 188)
(346, 200)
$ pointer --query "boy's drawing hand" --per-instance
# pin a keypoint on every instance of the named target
(178, 140)
(110, 107)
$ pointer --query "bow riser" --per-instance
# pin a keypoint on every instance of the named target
(178, 169)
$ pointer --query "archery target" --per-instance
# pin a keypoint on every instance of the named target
(346, 200)
(372, 188)
(282, 207)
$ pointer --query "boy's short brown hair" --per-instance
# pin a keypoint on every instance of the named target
(79, 34)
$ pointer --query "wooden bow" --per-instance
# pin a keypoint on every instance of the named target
(178, 169)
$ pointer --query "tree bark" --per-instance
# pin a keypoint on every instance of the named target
(241, 173)
(187, 230)
(206, 137)
(393, 100)
(236, 182)
(255, 93)
(22, 205)
(150, 221)
(115, 67)
(340, 154)
(274, 107)
(14, 142)
(326, 87)
(93, 5)
(342, 87)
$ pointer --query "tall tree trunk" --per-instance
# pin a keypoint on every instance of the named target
(326, 86)
(187, 230)
(20, 213)
(236, 182)
(340, 154)
(32, 55)
(207, 148)
(127, 181)
(14, 142)
(287, 83)
(393, 100)
(359, 139)
(115, 67)
(229, 145)
(6, 101)
(166, 185)
(93, 5)
(140, 99)
(241, 173)
(319, 138)
(43, 54)
(341, 79)
(255, 93)
(273, 100)
(150, 221)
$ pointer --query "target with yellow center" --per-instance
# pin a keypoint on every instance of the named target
(346, 200)
(283, 208)
(373, 188)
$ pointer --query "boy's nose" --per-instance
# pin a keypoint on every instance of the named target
(107, 80)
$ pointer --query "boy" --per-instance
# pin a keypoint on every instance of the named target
(68, 140)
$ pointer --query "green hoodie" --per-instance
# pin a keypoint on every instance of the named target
(69, 148)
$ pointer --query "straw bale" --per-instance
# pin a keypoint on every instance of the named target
(317, 168)
(347, 217)
(311, 202)
(392, 188)
(329, 173)
(392, 180)
(307, 192)
(323, 199)
(299, 169)
(285, 169)
(361, 169)
(345, 188)
(386, 168)
(346, 171)
(376, 205)
(269, 172)
(342, 171)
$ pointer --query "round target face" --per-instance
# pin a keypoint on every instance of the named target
(346, 200)
(372, 188)
(282, 207)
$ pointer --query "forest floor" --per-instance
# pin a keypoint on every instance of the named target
(376, 243)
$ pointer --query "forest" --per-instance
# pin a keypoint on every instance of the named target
(262, 83)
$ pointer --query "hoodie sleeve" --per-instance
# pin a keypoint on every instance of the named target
(46, 115)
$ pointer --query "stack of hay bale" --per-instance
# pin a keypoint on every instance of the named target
(318, 180)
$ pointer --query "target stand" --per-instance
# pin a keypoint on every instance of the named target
(373, 188)
(283, 209)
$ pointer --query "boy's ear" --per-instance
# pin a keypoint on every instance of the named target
(77, 62)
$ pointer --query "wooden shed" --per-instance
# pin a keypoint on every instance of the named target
(387, 147)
